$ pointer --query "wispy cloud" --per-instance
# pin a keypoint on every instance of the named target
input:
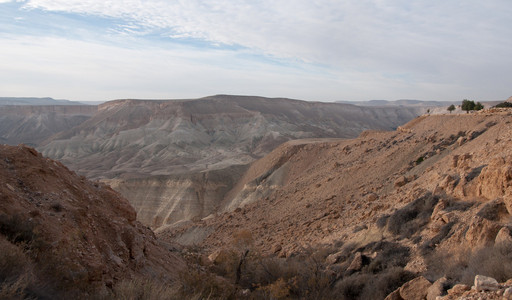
(403, 47)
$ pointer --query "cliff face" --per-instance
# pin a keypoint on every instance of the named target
(166, 200)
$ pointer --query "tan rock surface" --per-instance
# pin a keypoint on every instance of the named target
(415, 289)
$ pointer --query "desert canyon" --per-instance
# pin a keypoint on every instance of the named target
(238, 197)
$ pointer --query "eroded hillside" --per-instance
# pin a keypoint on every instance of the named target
(431, 199)
(139, 138)
(176, 160)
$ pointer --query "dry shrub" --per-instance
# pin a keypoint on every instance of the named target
(352, 287)
(445, 232)
(382, 221)
(385, 283)
(389, 255)
(15, 289)
(301, 276)
(13, 262)
(225, 265)
(463, 266)
(145, 289)
(413, 217)
(368, 286)
(18, 279)
(14, 271)
(243, 239)
(279, 289)
(16, 229)
(203, 285)
(456, 205)
(493, 210)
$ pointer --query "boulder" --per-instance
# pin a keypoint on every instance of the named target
(507, 294)
(440, 206)
(276, 248)
(507, 199)
(395, 295)
(481, 232)
(401, 181)
(449, 217)
(458, 289)
(455, 161)
(333, 258)
(504, 238)
(356, 264)
(437, 288)
(495, 179)
(447, 183)
(372, 197)
(415, 289)
(461, 161)
(219, 256)
(484, 283)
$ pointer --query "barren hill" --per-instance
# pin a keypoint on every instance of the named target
(62, 236)
(431, 199)
(176, 159)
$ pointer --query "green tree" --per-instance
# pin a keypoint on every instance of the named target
(468, 105)
(478, 106)
(451, 108)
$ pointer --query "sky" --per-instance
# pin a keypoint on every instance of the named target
(319, 50)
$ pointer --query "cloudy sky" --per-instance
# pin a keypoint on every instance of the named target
(324, 50)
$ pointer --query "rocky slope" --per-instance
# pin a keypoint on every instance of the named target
(175, 160)
(431, 199)
(63, 236)
(32, 125)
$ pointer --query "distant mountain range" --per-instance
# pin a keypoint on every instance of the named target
(401, 102)
(412, 102)
(35, 101)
